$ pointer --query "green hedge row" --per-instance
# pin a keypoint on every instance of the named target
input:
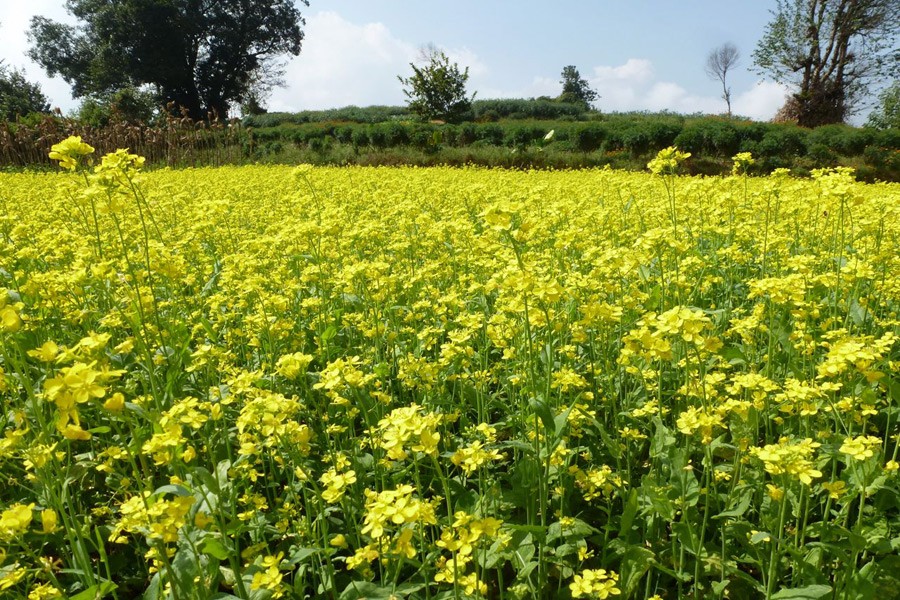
(482, 110)
(775, 145)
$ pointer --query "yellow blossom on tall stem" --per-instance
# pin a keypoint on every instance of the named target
(667, 161)
(69, 150)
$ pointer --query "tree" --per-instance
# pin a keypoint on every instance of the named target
(719, 61)
(202, 55)
(830, 52)
(886, 114)
(18, 96)
(437, 88)
(576, 89)
(128, 105)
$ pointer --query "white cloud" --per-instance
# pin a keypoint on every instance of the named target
(634, 86)
(14, 21)
(635, 70)
(760, 102)
(344, 63)
(467, 58)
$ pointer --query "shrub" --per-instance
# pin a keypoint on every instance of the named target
(588, 137)
(359, 137)
(709, 137)
(842, 139)
(783, 141)
(523, 135)
(520, 108)
(491, 133)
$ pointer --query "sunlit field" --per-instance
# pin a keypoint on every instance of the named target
(274, 382)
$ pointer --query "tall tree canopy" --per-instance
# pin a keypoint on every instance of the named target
(575, 88)
(203, 55)
(830, 51)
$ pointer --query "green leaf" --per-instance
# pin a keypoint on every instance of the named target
(636, 561)
(184, 567)
(718, 587)
(360, 590)
(733, 355)
(628, 514)
(577, 529)
(178, 490)
(740, 509)
(542, 410)
(95, 591)
(215, 548)
(153, 590)
(810, 592)
(662, 440)
(761, 536)
(301, 554)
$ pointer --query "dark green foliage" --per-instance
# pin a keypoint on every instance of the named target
(349, 114)
(621, 140)
(437, 89)
(516, 108)
(202, 56)
(524, 135)
(625, 140)
(360, 137)
(481, 111)
(714, 137)
(18, 96)
(886, 114)
(883, 159)
(588, 137)
(128, 105)
(491, 133)
(841, 139)
(783, 142)
(575, 88)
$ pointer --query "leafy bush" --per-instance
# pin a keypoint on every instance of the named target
(843, 139)
(492, 134)
(520, 108)
(783, 141)
(523, 135)
(350, 114)
(588, 137)
(712, 136)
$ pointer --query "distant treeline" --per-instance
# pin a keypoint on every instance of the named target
(622, 140)
(482, 110)
(502, 133)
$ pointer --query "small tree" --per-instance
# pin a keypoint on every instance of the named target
(576, 89)
(18, 96)
(886, 114)
(437, 89)
(718, 63)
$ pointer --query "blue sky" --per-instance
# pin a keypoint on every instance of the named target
(638, 54)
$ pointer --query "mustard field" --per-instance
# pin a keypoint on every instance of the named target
(274, 382)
